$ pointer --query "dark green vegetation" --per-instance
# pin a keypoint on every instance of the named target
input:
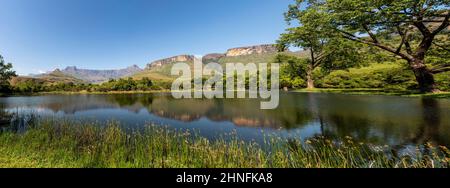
(387, 76)
(350, 46)
(6, 73)
(54, 81)
(413, 31)
(391, 45)
(59, 143)
(31, 85)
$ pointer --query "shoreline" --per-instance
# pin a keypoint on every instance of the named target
(82, 92)
(376, 92)
(355, 91)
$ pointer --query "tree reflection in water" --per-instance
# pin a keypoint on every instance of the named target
(372, 119)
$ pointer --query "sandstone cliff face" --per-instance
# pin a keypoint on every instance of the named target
(214, 57)
(259, 49)
(179, 58)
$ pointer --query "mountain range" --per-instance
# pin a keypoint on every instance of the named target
(94, 76)
(160, 69)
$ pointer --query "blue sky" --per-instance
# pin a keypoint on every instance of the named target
(41, 35)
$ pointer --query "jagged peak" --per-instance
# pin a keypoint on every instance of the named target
(71, 68)
(255, 49)
(133, 67)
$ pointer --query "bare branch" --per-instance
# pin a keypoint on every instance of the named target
(442, 47)
(437, 71)
(405, 40)
(372, 36)
(440, 66)
(403, 35)
(445, 24)
(384, 47)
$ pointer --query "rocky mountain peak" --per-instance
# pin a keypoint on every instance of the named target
(178, 58)
(248, 50)
(71, 68)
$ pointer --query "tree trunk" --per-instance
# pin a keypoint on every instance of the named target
(424, 77)
(309, 78)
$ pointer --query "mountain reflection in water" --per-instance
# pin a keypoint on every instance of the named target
(376, 119)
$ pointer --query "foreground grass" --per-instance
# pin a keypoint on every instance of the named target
(67, 144)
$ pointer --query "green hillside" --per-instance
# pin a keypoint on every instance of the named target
(158, 73)
(52, 78)
(59, 77)
(256, 58)
(163, 73)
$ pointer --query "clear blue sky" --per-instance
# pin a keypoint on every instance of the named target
(41, 35)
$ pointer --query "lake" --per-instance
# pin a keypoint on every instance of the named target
(381, 120)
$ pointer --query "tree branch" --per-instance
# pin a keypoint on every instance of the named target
(387, 48)
(437, 71)
(405, 40)
(419, 22)
(441, 66)
(403, 35)
(442, 47)
(372, 36)
(445, 24)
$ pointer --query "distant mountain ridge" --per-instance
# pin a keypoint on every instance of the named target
(98, 76)
(160, 69)
(178, 58)
(232, 52)
(49, 78)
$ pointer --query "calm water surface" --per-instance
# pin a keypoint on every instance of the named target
(384, 120)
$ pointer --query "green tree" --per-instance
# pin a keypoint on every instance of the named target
(292, 70)
(313, 34)
(144, 84)
(6, 73)
(378, 23)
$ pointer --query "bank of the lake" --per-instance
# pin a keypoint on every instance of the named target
(58, 143)
(82, 92)
(354, 91)
(369, 91)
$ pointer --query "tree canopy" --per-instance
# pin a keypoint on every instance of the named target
(6, 73)
(412, 27)
(313, 34)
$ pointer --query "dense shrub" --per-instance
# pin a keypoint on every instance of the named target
(443, 81)
(35, 85)
(292, 82)
(384, 75)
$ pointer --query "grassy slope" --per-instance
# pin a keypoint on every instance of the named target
(380, 69)
(63, 144)
(57, 76)
(159, 73)
(163, 73)
(50, 78)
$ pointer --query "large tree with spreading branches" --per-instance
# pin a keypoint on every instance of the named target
(408, 29)
(325, 50)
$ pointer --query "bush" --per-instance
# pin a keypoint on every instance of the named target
(384, 75)
(295, 82)
(443, 81)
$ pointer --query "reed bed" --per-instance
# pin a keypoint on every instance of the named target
(60, 143)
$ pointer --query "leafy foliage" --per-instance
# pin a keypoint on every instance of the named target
(385, 75)
(6, 73)
(410, 27)
(326, 50)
